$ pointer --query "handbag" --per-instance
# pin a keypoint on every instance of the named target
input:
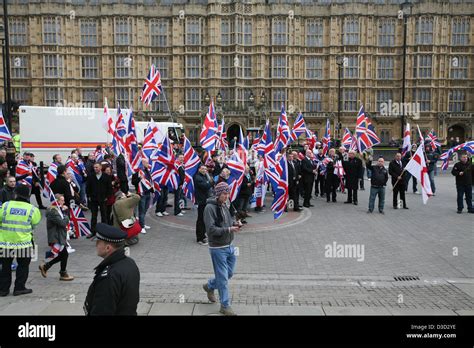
(130, 226)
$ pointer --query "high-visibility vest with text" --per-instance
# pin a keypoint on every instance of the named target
(17, 221)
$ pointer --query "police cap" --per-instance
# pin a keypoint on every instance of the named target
(109, 233)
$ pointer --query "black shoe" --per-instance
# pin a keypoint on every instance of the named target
(42, 207)
(334, 201)
(297, 210)
(405, 207)
(355, 203)
(22, 292)
(347, 202)
(4, 293)
(328, 201)
(306, 206)
(381, 212)
(459, 211)
(311, 205)
(369, 211)
(395, 207)
(471, 211)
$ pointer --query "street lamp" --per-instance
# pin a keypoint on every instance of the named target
(340, 63)
(263, 101)
(219, 98)
(251, 109)
(405, 11)
(207, 98)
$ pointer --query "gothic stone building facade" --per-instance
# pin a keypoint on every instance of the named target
(252, 56)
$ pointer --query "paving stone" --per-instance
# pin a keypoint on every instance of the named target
(171, 309)
(207, 309)
(420, 311)
(467, 288)
(63, 308)
(464, 312)
(355, 311)
(25, 308)
(291, 310)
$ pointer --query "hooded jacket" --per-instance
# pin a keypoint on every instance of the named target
(218, 221)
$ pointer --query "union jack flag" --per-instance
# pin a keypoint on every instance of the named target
(134, 159)
(150, 145)
(242, 147)
(433, 140)
(79, 222)
(118, 143)
(281, 193)
(99, 154)
(25, 168)
(191, 165)
(299, 127)
(365, 132)
(222, 143)
(152, 87)
(145, 184)
(164, 171)
(323, 164)
(4, 132)
(406, 141)
(283, 131)
(326, 140)
(262, 143)
(468, 146)
(255, 142)
(208, 135)
(237, 170)
(75, 169)
(347, 139)
(269, 160)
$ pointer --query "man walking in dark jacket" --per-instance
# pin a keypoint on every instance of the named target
(99, 187)
(116, 286)
(220, 228)
(378, 182)
(396, 171)
(293, 180)
(464, 173)
(202, 184)
(7, 193)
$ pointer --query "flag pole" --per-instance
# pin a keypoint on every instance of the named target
(169, 111)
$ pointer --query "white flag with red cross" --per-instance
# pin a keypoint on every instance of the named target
(417, 168)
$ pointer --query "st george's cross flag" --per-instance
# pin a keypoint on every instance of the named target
(406, 140)
(417, 168)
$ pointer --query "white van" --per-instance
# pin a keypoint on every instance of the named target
(46, 131)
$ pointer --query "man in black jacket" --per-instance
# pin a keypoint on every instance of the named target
(116, 286)
(61, 185)
(202, 186)
(378, 182)
(307, 172)
(396, 171)
(293, 180)
(99, 187)
(464, 173)
(178, 193)
(352, 167)
(331, 180)
(122, 173)
(7, 193)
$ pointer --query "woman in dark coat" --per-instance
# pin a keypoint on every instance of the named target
(57, 219)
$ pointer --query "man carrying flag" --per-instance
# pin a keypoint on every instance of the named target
(417, 167)
(397, 172)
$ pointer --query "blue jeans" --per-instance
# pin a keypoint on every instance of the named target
(223, 261)
(374, 191)
(431, 174)
(143, 207)
(464, 190)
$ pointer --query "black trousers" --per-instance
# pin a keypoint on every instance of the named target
(178, 195)
(308, 188)
(200, 228)
(331, 184)
(400, 188)
(37, 192)
(162, 201)
(108, 212)
(94, 207)
(352, 195)
(62, 257)
(124, 186)
(22, 272)
(319, 185)
(293, 195)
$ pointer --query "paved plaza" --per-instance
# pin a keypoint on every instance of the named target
(417, 261)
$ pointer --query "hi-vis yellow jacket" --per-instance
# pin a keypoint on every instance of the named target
(17, 221)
